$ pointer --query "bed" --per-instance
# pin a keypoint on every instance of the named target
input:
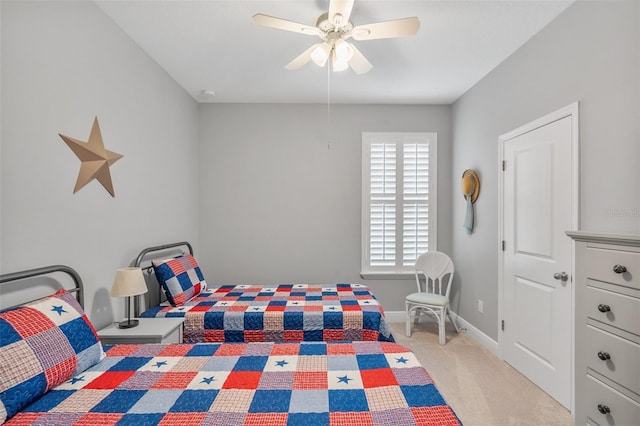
(261, 383)
(261, 313)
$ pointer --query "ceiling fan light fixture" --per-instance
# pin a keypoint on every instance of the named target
(338, 63)
(320, 54)
(343, 51)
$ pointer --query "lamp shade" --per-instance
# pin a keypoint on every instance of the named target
(128, 282)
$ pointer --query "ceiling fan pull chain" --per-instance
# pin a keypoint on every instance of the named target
(328, 107)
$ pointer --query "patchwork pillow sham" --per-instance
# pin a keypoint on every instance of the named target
(43, 344)
(180, 278)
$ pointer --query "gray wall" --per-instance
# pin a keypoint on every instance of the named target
(63, 63)
(279, 207)
(590, 54)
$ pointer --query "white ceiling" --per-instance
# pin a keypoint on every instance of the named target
(214, 45)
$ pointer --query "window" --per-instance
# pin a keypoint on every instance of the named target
(398, 201)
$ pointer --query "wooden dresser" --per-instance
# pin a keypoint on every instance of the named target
(607, 329)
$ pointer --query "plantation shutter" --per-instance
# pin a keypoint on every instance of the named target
(415, 229)
(396, 200)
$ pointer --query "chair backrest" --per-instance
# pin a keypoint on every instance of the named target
(435, 266)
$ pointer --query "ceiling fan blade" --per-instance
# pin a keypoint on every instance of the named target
(388, 29)
(358, 63)
(284, 24)
(301, 59)
(340, 11)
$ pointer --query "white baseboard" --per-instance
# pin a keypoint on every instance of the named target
(487, 342)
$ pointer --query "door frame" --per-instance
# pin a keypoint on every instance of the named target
(572, 111)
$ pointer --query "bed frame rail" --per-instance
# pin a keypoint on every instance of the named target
(46, 270)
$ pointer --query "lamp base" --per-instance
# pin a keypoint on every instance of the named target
(130, 323)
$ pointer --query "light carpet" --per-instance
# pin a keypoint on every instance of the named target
(482, 389)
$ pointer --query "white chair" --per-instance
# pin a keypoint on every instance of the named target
(435, 266)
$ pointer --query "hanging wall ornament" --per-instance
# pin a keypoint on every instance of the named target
(95, 159)
(470, 191)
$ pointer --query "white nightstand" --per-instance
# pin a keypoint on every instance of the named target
(149, 330)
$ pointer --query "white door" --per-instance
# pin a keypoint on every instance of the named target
(537, 296)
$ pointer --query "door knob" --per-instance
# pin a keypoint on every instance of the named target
(562, 276)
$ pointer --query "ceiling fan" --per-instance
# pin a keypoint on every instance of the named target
(334, 29)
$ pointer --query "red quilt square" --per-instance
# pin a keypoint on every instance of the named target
(200, 308)
(26, 418)
(254, 336)
(370, 335)
(276, 308)
(109, 379)
(231, 349)
(345, 288)
(102, 419)
(315, 380)
(351, 308)
(313, 308)
(285, 349)
(394, 348)
(28, 325)
(351, 418)
(181, 419)
(242, 380)
(436, 415)
(174, 380)
(329, 335)
(175, 350)
(293, 335)
(378, 378)
(340, 349)
(262, 419)
(61, 372)
(122, 350)
(214, 335)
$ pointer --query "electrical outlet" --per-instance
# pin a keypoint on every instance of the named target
(480, 306)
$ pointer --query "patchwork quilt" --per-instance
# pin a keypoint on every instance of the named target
(283, 313)
(307, 383)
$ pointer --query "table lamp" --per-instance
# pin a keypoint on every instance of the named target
(128, 282)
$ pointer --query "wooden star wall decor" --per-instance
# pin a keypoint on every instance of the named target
(95, 159)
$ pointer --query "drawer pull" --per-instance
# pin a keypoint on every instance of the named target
(604, 409)
(604, 308)
(619, 269)
(604, 356)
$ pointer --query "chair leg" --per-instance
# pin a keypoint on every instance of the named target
(452, 321)
(408, 321)
(442, 338)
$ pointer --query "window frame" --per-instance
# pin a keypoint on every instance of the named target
(398, 271)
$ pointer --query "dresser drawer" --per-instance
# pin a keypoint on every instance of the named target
(622, 411)
(615, 358)
(620, 311)
(601, 262)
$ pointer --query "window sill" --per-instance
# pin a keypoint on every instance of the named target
(387, 275)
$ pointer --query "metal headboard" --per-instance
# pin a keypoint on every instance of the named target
(141, 257)
(17, 276)
(148, 250)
